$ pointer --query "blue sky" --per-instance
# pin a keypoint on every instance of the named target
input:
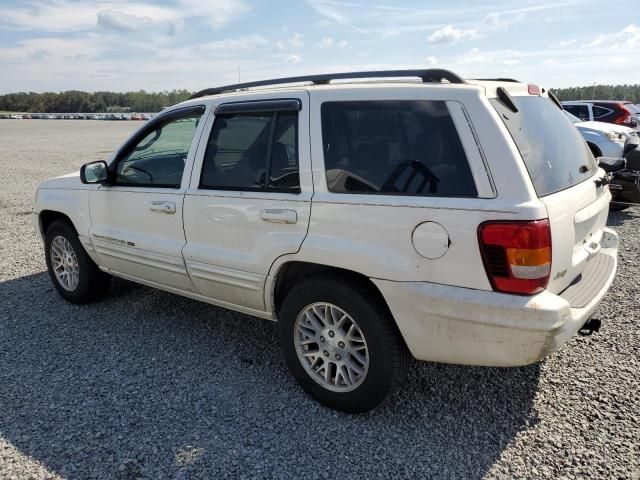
(53, 45)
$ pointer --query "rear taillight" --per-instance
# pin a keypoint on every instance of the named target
(623, 115)
(517, 255)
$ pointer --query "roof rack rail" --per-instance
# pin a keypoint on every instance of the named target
(429, 75)
(497, 80)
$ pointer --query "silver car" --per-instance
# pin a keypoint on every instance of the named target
(605, 139)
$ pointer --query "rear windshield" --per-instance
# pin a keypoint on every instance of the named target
(554, 152)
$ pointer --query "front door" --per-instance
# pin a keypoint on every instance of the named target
(250, 197)
(137, 228)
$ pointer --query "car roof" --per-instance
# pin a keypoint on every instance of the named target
(395, 78)
(616, 102)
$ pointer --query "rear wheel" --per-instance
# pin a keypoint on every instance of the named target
(76, 277)
(341, 344)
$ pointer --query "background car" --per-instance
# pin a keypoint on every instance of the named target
(605, 139)
(609, 111)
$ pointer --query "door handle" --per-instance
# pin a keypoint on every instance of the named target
(278, 215)
(162, 207)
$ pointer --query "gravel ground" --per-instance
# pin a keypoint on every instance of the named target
(146, 384)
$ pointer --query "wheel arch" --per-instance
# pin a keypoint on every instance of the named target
(594, 149)
(289, 272)
(47, 217)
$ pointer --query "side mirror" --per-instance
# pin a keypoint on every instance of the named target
(94, 172)
(633, 159)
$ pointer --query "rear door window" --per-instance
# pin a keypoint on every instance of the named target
(394, 148)
(243, 147)
(600, 112)
(554, 152)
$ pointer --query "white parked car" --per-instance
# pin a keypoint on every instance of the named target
(449, 220)
(605, 139)
(623, 113)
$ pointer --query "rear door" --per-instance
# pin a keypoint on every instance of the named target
(400, 184)
(250, 196)
(136, 225)
(563, 172)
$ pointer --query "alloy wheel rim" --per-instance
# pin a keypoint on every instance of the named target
(65, 263)
(331, 347)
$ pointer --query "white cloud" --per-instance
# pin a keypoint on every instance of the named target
(451, 34)
(495, 21)
(245, 43)
(475, 56)
(626, 39)
(431, 60)
(549, 62)
(217, 12)
(295, 41)
(293, 58)
(120, 15)
(331, 11)
(122, 22)
(564, 43)
(327, 42)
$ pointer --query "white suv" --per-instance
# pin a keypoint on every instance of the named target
(449, 220)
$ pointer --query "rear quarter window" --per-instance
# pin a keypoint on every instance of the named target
(554, 152)
(394, 148)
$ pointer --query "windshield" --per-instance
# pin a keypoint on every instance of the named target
(572, 117)
(554, 152)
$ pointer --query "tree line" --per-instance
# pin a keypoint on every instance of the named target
(600, 92)
(75, 101)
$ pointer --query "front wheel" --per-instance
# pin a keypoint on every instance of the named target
(341, 344)
(74, 275)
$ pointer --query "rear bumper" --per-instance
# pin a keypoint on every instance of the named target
(476, 327)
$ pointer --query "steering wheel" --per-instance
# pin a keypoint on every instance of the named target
(141, 170)
(282, 180)
(416, 168)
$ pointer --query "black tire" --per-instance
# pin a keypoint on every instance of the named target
(388, 354)
(92, 282)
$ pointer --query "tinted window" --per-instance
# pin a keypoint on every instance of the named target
(553, 150)
(599, 112)
(580, 111)
(284, 156)
(242, 147)
(394, 147)
(158, 159)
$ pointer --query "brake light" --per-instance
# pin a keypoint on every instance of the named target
(533, 89)
(517, 255)
(624, 115)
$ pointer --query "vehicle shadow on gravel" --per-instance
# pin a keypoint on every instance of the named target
(145, 384)
(621, 217)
